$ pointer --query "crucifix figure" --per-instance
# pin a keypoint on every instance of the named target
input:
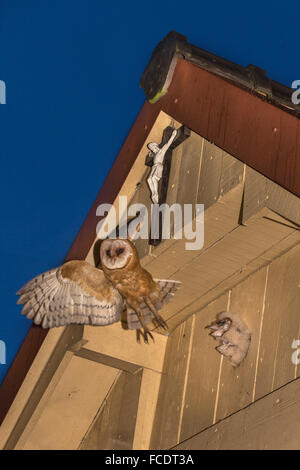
(158, 155)
(159, 159)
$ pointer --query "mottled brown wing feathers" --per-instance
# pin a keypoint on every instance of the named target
(73, 293)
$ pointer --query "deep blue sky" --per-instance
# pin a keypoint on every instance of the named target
(72, 69)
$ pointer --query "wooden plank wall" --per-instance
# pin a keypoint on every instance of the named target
(114, 425)
(200, 173)
(68, 406)
(272, 423)
(200, 387)
(248, 221)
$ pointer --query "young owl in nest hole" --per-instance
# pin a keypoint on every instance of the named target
(78, 292)
(234, 336)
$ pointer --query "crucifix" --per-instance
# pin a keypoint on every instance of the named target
(159, 159)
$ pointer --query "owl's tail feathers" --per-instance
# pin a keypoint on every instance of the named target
(167, 290)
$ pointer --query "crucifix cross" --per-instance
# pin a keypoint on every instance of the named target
(159, 159)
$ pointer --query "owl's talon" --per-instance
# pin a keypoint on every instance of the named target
(162, 322)
(146, 338)
(146, 334)
(159, 319)
(138, 336)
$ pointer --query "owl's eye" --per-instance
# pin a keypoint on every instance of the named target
(120, 251)
(108, 252)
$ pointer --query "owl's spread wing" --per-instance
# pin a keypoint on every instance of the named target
(166, 293)
(75, 292)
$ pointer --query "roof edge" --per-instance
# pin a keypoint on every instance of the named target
(158, 74)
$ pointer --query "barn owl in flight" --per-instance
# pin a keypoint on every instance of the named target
(234, 336)
(78, 292)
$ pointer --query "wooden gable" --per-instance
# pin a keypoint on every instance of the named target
(68, 388)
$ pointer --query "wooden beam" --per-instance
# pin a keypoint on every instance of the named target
(71, 335)
(108, 360)
(121, 345)
(146, 409)
(114, 425)
(261, 192)
(68, 406)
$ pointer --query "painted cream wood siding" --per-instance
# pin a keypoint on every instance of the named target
(201, 388)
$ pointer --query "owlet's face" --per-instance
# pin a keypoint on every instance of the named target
(220, 327)
(115, 254)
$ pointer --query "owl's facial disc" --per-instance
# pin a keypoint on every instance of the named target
(115, 254)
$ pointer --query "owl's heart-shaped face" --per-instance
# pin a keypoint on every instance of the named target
(115, 254)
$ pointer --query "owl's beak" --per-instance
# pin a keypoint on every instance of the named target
(217, 332)
(218, 329)
(213, 327)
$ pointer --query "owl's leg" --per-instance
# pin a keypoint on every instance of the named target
(146, 331)
(158, 317)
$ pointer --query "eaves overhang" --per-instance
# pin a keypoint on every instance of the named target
(158, 74)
